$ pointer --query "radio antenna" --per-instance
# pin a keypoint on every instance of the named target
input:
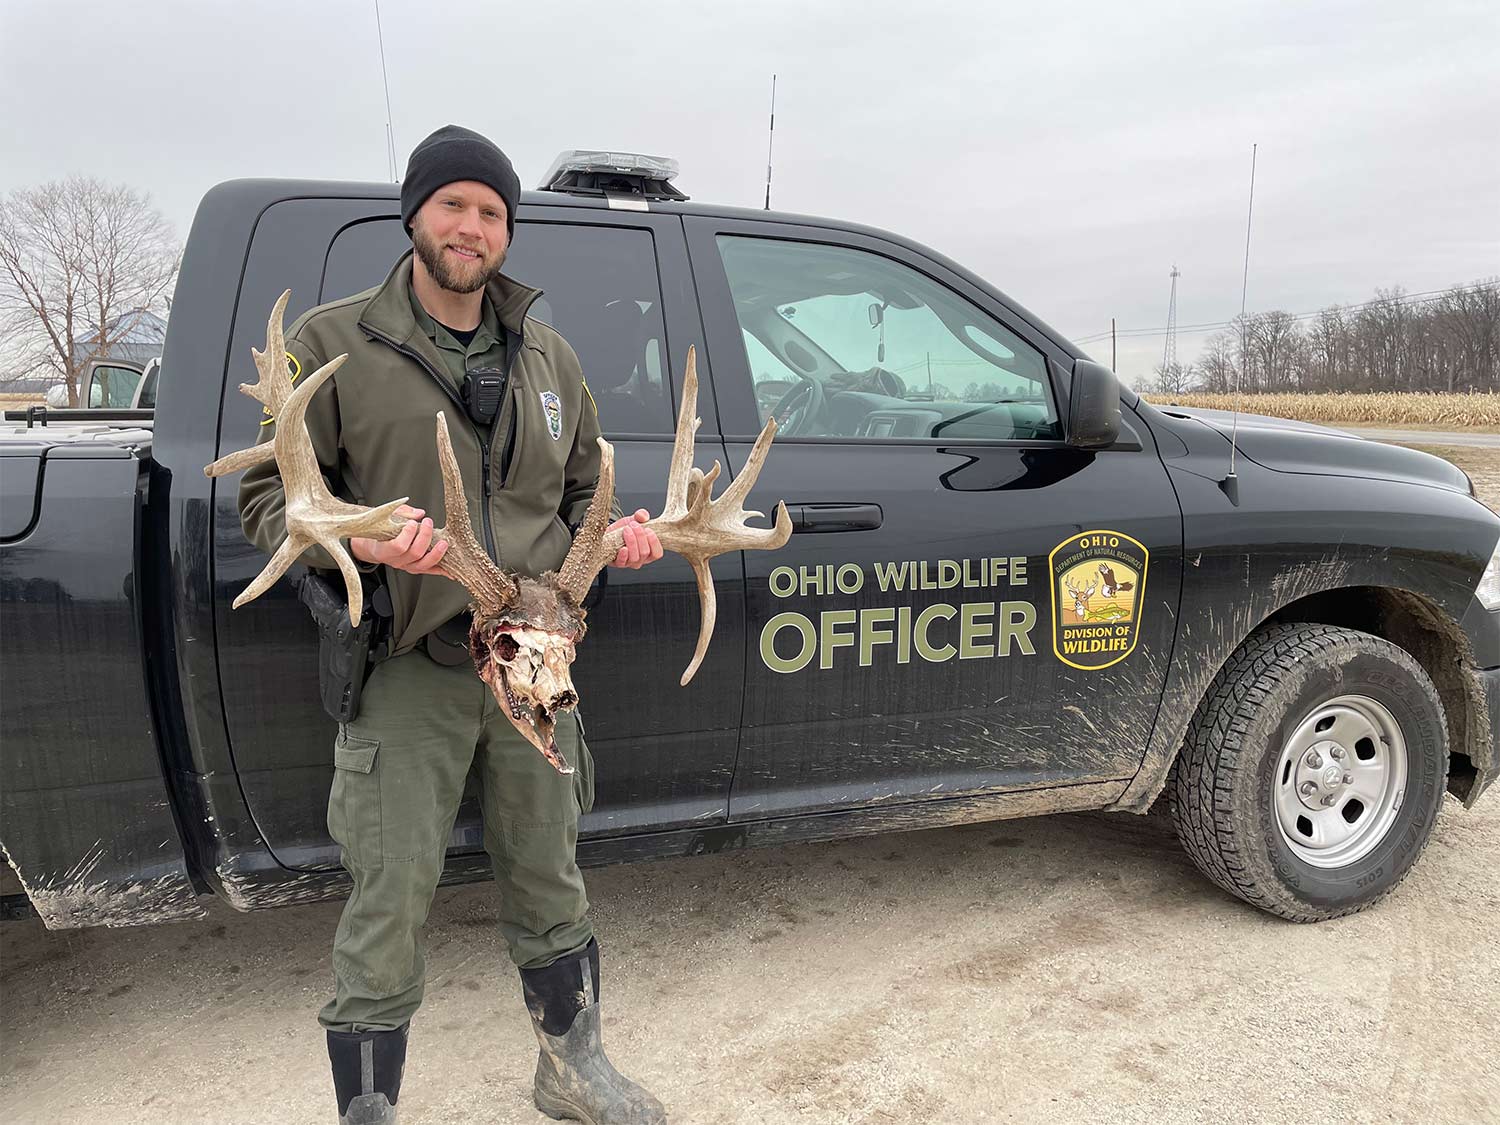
(1230, 484)
(390, 135)
(771, 142)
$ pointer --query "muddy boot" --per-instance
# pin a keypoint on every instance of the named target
(574, 1080)
(367, 1069)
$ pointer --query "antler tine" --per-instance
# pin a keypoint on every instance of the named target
(682, 446)
(274, 386)
(692, 523)
(591, 553)
(313, 515)
(466, 562)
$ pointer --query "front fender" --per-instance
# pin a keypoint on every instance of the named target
(1279, 538)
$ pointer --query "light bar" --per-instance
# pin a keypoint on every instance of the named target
(589, 171)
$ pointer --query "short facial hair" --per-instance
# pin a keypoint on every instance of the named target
(431, 253)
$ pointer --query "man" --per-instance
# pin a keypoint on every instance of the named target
(414, 343)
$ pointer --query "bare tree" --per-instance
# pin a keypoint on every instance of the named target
(1174, 378)
(1470, 319)
(77, 258)
(1219, 363)
(1329, 358)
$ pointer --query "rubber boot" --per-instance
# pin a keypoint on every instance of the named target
(574, 1079)
(367, 1069)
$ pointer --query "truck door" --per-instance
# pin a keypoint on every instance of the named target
(969, 604)
(664, 755)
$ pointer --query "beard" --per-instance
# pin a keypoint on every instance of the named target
(456, 278)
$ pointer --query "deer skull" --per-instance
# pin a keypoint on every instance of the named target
(526, 658)
(525, 630)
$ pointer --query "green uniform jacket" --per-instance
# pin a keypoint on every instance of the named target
(373, 425)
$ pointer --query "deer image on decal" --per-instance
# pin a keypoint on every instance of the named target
(526, 630)
(1080, 598)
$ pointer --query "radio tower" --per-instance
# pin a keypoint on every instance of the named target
(1169, 352)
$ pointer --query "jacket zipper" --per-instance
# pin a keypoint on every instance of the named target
(484, 445)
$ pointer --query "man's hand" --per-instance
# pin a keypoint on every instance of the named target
(411, 551)
(641, 544)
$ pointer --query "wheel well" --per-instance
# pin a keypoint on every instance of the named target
(1417, 625)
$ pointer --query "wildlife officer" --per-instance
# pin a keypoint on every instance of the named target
(447, 325)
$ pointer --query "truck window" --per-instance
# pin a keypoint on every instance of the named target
(600, 290)
(846, 343)
(113, 386)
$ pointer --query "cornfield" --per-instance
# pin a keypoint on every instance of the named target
(1455, 411)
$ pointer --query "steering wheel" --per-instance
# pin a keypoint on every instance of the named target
(801, 407)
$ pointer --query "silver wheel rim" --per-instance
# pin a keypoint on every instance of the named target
(1340, 781)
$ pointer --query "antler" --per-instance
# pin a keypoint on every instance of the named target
(691, 523)
(466, 562)
(313, 514)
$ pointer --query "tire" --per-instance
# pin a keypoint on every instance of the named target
(1254, 814)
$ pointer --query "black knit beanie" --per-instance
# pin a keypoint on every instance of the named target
(451, 154)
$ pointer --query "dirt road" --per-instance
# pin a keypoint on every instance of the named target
(1063, 969)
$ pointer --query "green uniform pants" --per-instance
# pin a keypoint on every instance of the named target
(399, 773)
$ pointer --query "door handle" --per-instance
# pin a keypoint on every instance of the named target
(835, 517)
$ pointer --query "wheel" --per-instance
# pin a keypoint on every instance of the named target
(1312, 774)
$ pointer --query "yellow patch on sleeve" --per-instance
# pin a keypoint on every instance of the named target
(590, 395)
(295, 367)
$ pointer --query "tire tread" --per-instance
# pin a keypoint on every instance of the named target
(1214, 753)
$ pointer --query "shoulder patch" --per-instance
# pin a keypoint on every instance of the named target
(294, 366)
(552, 408)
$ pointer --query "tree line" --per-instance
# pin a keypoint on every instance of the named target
(1445, 343)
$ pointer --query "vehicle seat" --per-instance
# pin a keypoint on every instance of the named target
(618, 380)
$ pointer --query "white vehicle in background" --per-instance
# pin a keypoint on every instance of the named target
(111, 384)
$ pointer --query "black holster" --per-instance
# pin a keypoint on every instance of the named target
(346, 652)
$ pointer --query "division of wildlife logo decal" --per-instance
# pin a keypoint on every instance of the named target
(552, 407)
(1098, 581)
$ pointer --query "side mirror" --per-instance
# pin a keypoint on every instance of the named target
(1093, 406)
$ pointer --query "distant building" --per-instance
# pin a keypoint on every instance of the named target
(134, 337)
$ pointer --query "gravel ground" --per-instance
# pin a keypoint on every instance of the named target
(1072, 968)
(1065, 969)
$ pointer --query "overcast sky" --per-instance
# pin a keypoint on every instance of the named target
(1069, 153)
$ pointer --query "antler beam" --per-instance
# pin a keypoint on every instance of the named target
(315, 516)
(692, 523)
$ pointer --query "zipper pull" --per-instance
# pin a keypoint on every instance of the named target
(484, 460)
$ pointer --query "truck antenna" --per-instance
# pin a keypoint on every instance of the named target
(1231, 484)
(771, 142)
(390, 135)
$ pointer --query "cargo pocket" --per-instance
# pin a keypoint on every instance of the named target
(354, 814)
(583, 774)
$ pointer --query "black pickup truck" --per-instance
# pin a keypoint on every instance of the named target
(1014, 587)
